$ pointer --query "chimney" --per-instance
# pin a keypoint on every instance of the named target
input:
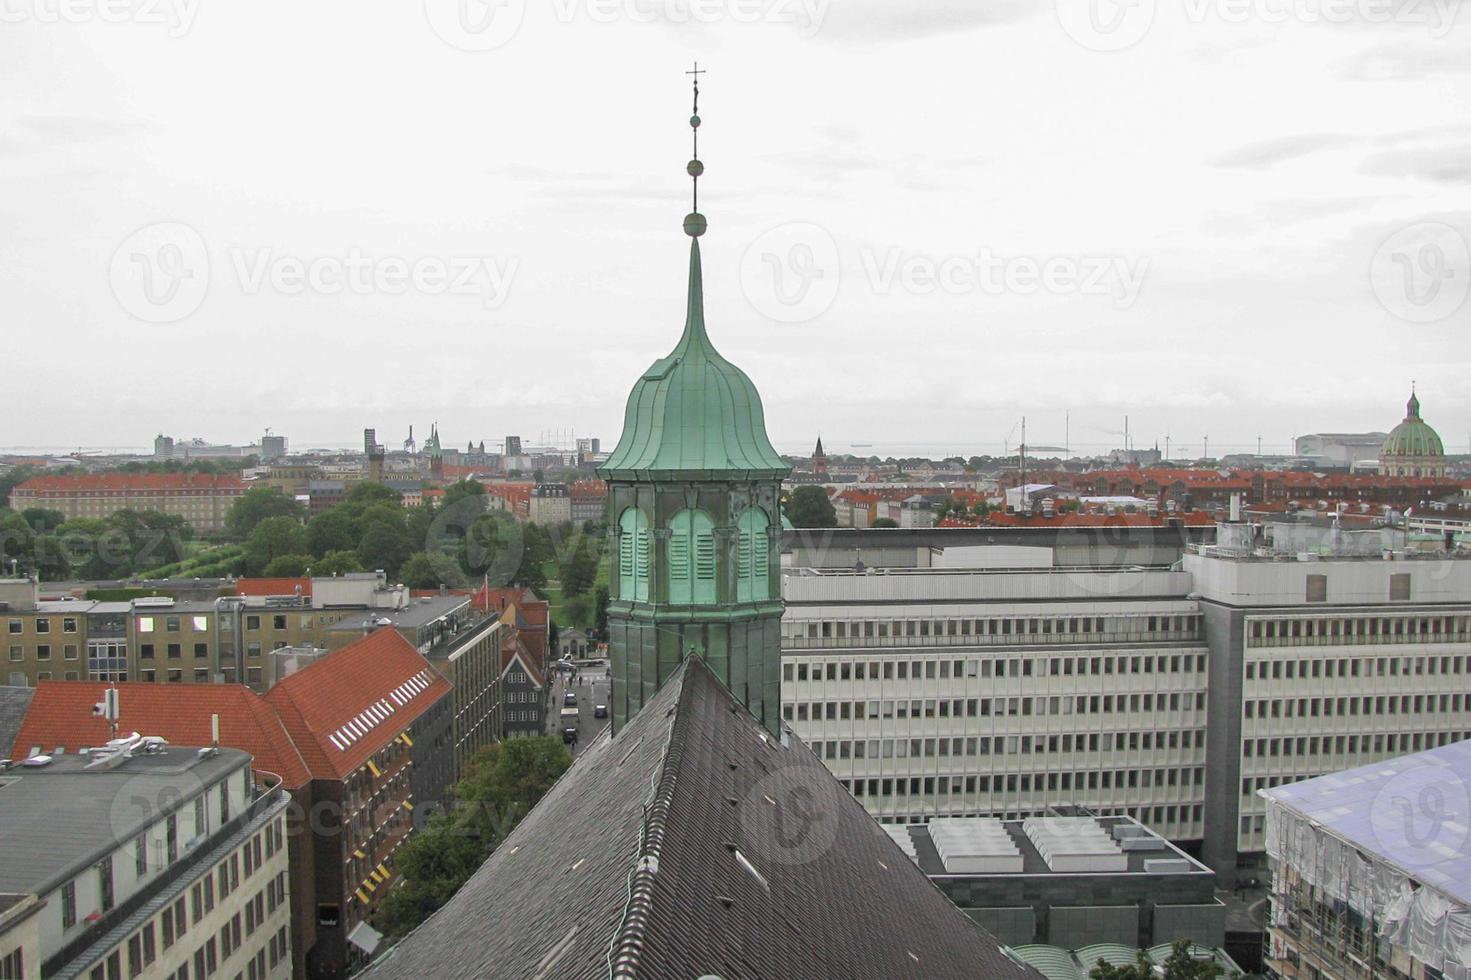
(1235, 508)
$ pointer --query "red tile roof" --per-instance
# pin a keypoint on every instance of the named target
(351, 703)
(61, 715)
(273, 586)
(88, 482)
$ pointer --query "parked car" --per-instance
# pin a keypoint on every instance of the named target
(570, 699)
(569, 735)
(600, 711)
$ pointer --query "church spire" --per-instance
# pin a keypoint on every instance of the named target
(694, 222)
(1412, 408)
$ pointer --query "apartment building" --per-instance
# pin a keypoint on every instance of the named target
(962, 692)
(201, 499)
(143, 860)
(360, 739)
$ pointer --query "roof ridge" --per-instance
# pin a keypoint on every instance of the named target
(626, 948)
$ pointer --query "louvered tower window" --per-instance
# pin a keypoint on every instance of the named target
(753, 557)
(633, 555)
(691, 558)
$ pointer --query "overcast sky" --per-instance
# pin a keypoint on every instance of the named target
(1233, 218)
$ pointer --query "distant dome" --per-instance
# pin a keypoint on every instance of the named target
(1413, 437)
(1413, 448)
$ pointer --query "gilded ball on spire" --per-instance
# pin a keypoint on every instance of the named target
(694, 122)
(694, 168)
(694, 224)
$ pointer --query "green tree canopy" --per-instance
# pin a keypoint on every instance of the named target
(254, 506)
(337, 563)
(331, 530)
(1179, 965)
(500, 786)
(272, 538)
(809, 506)
(288, 566)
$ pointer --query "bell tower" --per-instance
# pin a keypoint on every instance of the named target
(694, 520)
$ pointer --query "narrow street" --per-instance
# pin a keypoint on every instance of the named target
(591, 687)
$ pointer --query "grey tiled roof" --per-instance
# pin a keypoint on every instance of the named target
(694, 844)
(14, 703)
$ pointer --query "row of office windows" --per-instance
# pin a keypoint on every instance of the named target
(981, 745)
(1006, 629)
(1036, 666)
(1174, 820)
(1355, 667)
(1040, 782)
(1307, 746)
(799, 711)
(43, 652)
(1377, 706)
(1359, 629)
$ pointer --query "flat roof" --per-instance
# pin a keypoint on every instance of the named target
(60, 818)
(1033, 863)
(420, 613)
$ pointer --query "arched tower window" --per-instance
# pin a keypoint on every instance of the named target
(753, 581)
(633, 555)
(691, 558)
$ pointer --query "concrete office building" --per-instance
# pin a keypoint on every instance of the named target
(1321, 665)
(954, 692)
(1169, 693)
(143, 861)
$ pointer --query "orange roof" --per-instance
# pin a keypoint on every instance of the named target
(1196, 518)
(351, 703)
(273, 586)
(80, 482)
(61, 715)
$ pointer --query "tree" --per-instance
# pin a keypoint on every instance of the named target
(809, 506)
(384, 545)
(287, 566)
(367, 492)
(43, 520)
(885, 522)
(272, 538)
(500, 786)
(430, 570)
(579, 569)
(331, 530)
(600, 612)
(1179, 965)
(337, 563)
(254, 506)
(13, 478)
(456, 492)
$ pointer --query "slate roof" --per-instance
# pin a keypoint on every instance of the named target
(694, 844)
(14, 703)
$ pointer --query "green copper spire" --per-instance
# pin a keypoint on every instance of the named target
(694, 414)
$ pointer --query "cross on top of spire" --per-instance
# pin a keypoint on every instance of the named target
(694, 222)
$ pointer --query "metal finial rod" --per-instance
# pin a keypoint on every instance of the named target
(695, 223)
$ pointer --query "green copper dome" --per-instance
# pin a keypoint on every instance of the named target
(693, 414)
(1412, 437)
